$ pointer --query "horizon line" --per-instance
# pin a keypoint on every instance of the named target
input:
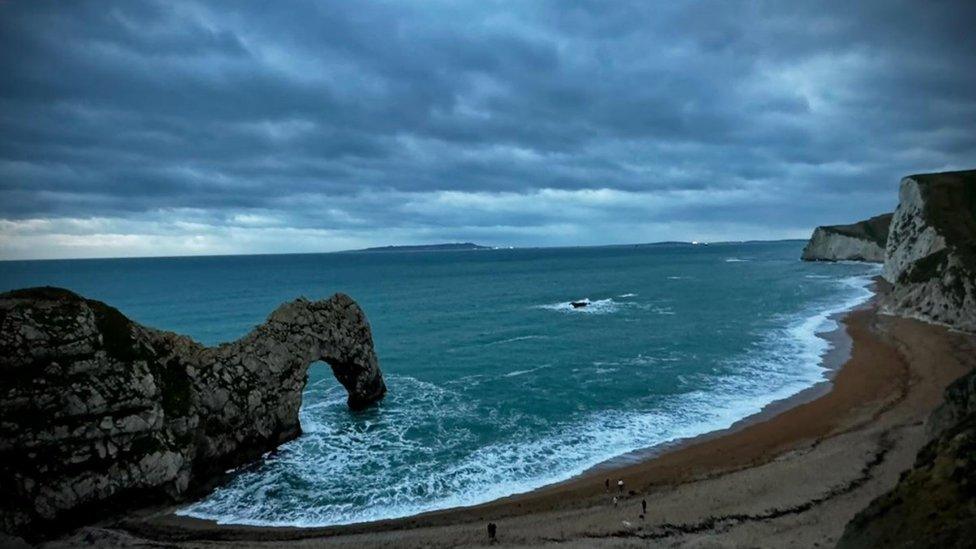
(375, 250)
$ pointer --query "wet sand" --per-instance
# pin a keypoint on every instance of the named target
(793, 474)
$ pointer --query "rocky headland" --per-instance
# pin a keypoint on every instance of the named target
(101, 414)
(928, 247)
(931, 263)
(930, 257)
(861, 241)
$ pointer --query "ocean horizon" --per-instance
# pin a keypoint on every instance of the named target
(497, 384)
(409, 249)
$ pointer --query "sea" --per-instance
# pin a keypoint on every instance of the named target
(497, 384)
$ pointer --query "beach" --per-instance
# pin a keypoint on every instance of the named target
(403, 274)
(793, 474)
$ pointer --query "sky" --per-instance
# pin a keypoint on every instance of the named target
(137, 128)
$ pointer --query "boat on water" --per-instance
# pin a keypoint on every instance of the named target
(580, 304)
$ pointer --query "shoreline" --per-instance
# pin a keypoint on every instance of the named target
(831, 361)
(890, 374)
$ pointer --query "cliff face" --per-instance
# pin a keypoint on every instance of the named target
(861, 241)
(931, 252)
(99, 412)
(931, 262)
(934, 504)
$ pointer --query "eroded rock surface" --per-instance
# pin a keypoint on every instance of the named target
(931, 252)
(99, 412)
(934, 504)
(861, 241)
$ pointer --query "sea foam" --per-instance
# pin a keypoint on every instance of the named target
(366, 451)
(596, 307)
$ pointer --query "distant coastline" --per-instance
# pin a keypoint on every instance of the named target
(446, 247)
(418, 248)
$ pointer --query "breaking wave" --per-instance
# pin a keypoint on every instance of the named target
(393, 461)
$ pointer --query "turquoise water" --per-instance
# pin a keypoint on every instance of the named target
(496, 384)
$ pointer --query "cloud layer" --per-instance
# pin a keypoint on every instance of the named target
(177, 127)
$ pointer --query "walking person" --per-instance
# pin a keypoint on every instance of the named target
(606, 484)
(492, 528)
(620, 486)
(643, 506)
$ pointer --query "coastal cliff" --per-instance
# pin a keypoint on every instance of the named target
(931, 263)
(99, 412)
(931, 252)
(861, 241)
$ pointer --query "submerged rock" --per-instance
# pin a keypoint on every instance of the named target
(861, 241)
(99, 412)
(931, 252)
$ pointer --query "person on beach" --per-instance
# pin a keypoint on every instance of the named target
(614, 501)
(620, 486)
(606, 484)
(643, 506)
(492, 528)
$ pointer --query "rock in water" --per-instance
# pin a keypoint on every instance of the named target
(99, 412)
(861, 241)
(931, 250)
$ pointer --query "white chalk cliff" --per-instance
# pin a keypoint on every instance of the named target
(930, 257)
(862, 241)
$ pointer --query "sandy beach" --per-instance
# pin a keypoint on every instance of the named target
(793, 475)
(417, 274)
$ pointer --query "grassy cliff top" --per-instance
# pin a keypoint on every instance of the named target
(874, 229)
(950, 207)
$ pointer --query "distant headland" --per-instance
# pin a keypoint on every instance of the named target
(447, 247)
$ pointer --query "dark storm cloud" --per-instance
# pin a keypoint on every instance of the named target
(439, 119)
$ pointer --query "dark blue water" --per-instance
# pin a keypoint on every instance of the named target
(497, 385)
